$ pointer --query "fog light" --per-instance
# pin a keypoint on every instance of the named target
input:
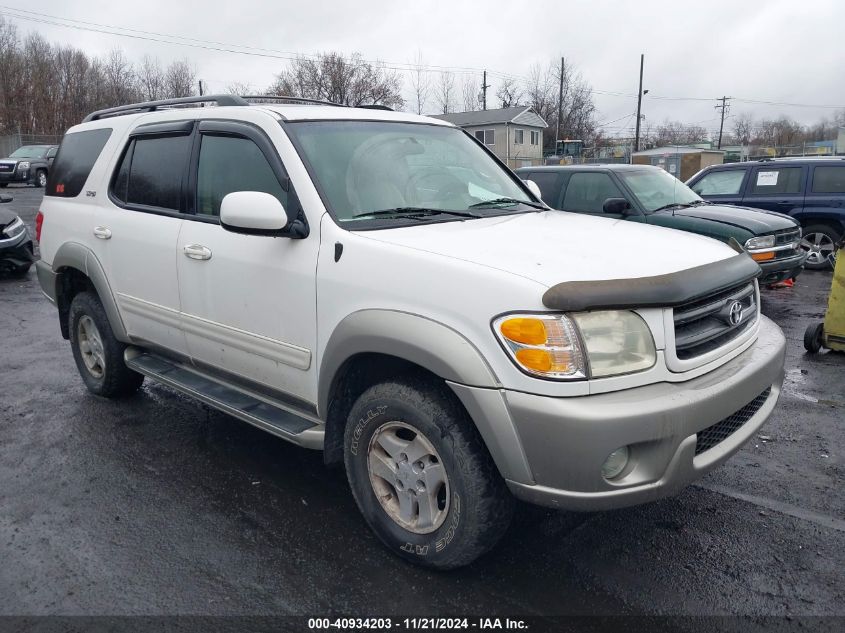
(615, 463)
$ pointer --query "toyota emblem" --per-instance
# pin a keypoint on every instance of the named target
(735, 313)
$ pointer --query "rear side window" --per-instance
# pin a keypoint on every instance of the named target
(549, 183)
(784, 180)
(720, 183)
(152, 171)
(228, 164)
(829, 180)
(74, 162)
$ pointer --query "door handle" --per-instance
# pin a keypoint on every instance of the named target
(102, 232)
(197, 251)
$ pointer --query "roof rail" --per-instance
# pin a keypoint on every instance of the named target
(151, 106)
(294, 99)
(376, 106)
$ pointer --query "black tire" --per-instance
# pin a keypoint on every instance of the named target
(114, 379)
(41, 178)
(21, 271)
(830, 233)
(479, 507)
(813, 338)
(3, 185)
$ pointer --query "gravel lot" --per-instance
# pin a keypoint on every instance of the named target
(157, 505)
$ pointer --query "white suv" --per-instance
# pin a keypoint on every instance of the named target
(379, 286)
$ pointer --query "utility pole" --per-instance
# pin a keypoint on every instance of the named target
(724, 108)
(639, 106)
(559, 104)
(484, 87)
(200, 83)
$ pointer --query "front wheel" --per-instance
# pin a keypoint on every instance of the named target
(421, 475)
(820, 241)
(41, 178)
(98, 354)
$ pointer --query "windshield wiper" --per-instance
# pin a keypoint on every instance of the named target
(498, 201)
(673, 205)
(415, 213)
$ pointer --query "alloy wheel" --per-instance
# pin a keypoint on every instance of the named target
(408, 477)
(91, 346)
(819, 246)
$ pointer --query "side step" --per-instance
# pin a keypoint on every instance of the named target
(245, 405)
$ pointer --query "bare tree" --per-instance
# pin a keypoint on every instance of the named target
(509, 93)
(420, 84)
(151, 79)
(180, 79)
(332, 77)
(444, 93)
(120, 79)
(743, 128)
(471, 92)
(780, 134)
(676, 133)
(239, 88)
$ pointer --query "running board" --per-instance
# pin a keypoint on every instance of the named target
(243, 404)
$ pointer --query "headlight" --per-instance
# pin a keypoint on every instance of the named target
(23, 165)
(15, 229)
(611, 342)
(764, 241)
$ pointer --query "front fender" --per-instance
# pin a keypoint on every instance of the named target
(444, 352)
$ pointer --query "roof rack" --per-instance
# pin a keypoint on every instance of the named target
(288, 98)
(152, 106)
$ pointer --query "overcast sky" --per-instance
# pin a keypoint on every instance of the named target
(774, 50)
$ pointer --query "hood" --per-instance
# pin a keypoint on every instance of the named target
(756, 221)
(550, 247)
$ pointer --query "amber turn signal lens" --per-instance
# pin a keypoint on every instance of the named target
(524, 330)
(535, 359)
(762, 257)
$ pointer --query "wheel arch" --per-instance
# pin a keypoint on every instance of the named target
(371, 346)
(77, 269)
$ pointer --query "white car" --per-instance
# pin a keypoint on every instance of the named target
(379, 286)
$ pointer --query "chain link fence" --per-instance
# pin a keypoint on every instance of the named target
(10, 142)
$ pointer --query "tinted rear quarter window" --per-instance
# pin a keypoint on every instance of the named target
(72, 166)
(829, 179)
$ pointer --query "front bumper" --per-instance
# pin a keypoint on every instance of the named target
(777, 270)
(16, 251)
(566, 440)
(17, 175)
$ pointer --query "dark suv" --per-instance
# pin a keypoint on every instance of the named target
(641, 193)
(811, 190)
(28, 164)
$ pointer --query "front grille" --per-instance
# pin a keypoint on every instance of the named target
(705, 324)
(719, 432)
(787, 236)
(7, 167)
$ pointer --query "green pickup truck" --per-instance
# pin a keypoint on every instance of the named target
(641, 193)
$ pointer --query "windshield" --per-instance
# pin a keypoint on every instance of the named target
(656, 189)
(391, 171)
(32, 151)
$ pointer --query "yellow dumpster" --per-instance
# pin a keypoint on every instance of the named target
(831, 332)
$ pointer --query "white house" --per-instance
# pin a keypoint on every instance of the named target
(513, 134)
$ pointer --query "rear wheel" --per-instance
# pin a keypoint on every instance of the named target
(421, 475)
(820, 241)
(98, 354)
(813, 338)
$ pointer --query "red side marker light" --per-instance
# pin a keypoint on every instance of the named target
(39, 222)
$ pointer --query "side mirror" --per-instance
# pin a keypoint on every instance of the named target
(5, 199)
(616, 206)
(252, 213)
(534, 188)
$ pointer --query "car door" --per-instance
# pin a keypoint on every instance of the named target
(723, 186)
(776, 187)
(137, 227)
(248, 301)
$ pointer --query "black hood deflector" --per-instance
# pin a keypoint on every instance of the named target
(659, 291)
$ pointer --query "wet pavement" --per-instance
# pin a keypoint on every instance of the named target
(158, 505)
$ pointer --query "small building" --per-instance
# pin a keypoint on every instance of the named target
(681, 162)
(513, 134)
